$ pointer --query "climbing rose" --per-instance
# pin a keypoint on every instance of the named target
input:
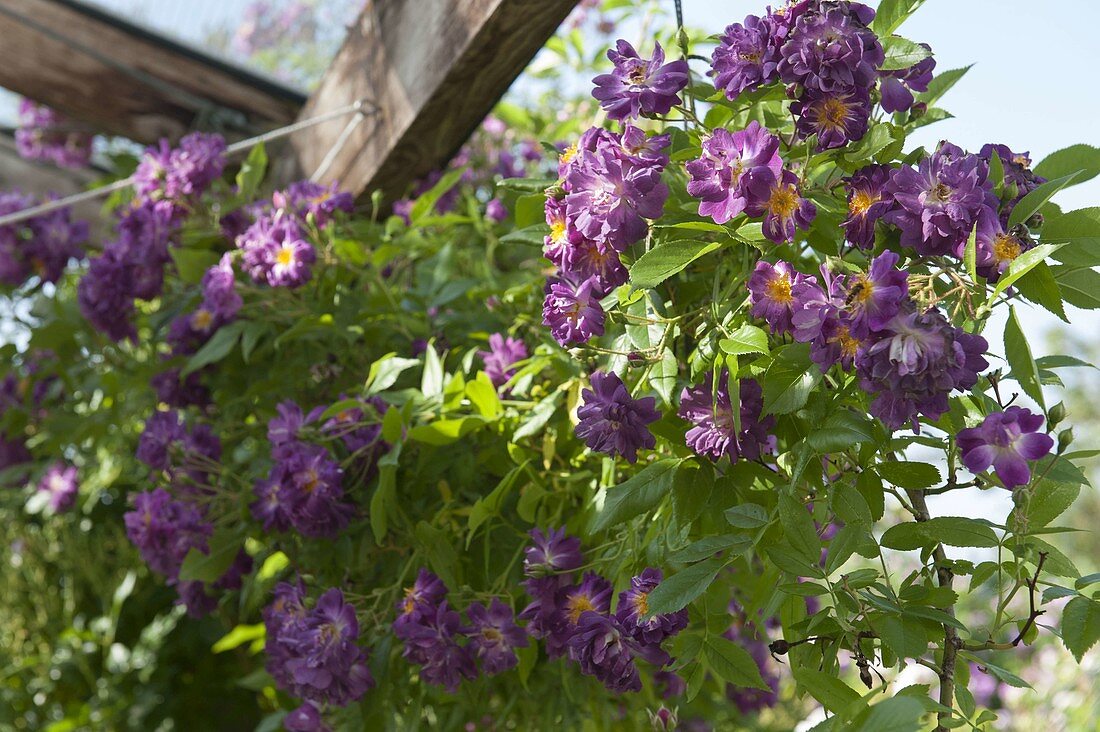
(747, 55)
(717, 176)
(713, 434)
(634, 606)
(606, 651)
(779, 201)
(831, 48)
(573, 312)
(876, 296)
(837, 118)
(867, 203)
(897, 86)
(502, 353)
(62, 486)
(771, 288)
(1006, 441)
(612, 422)
(639, 86)
(45, 134)
(494, 636)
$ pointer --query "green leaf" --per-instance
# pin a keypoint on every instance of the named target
(384, 495)
(252, 172)
(1083, 158)
(834, 694)
(890, 14)
(898, 714)
(970, 254)
(1040, 287)
(385, 371)
(798, 527)
(841, 431)
(746, 339)
(708, 547)
(639, 494)
(1034, 200)
(691, 491)
(1079, 286)
(483, 395)
(446, 431)
(425, 205)
(850, 506)
(949, 530)
(901, 53)
(209, 567)
(192, 263)
(789, 380)
(538, 418)
(240, 635)
(1022, 265)
(431, 380)
(534, 235)
(530, 210)
(996, 671)
(732, 663)
(1080, 625)
(679, 590)
(906, 637)
(661, 262)
(1018, 353)
(1080, 231)
(940, 84)
(218, 347)
(1048, 501)
(909, 475)
(747, 516)
(488, 506)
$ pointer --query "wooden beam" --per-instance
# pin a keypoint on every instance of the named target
(127, 81)
(431, 70)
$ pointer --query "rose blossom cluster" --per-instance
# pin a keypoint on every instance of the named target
(574, 619)
(499, 359)
(610, 184)
(937, 204)
(910, 360)
(45, 134)
(41, 246)
(304, 490)
(714, 431)
(743, 172)
(166, 523)
(613, 422)
(313, 651)
(275, 248)
(168, 184)
(830, 60)
(446, 650)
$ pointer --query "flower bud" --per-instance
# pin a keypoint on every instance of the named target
(664, 719)
(1056, 414)
(1065, 439)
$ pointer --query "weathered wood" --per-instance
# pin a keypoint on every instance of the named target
(125, 80)
(432, 69)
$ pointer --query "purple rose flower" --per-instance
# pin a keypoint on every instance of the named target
(421, 599)
(164, 529)
(716, 177)
(1019, 180)
(45, 134)
(552, 552)
(610, 195)
(584, 259)
(915, 362)
(557, 241)
(876, 296)
(306, 198)
(432, 642)
(276, 252)
(573, 312)
(837, 118)
(897, 87)
(178, 176)
(103, 295)
(831, 48)
(612, 422)
(995, 248)
(496, 211)
(747, 55)
(713, 434)
(771, 290)
(502, 353)
(219, 291)
(634, 606)
(606, 651)
(494, 636)
(1006, 441)
(639, 86)
(306, 718)
(286, 426)
(310, 490)
(61, 484)
(867, 203)
(779, 201)
(939, 203)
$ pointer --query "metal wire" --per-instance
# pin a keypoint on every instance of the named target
(362, 108)
(679, 14)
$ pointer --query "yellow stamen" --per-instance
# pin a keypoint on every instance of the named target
(779, 289)
(576, 606)
(1006, 248)
(783, 202)
(861, 202)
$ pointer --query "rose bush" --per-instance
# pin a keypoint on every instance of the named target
(638, 434)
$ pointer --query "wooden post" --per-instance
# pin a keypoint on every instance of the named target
(431, 70)
(124, 80)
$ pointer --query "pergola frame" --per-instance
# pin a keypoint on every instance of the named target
(430, 70)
